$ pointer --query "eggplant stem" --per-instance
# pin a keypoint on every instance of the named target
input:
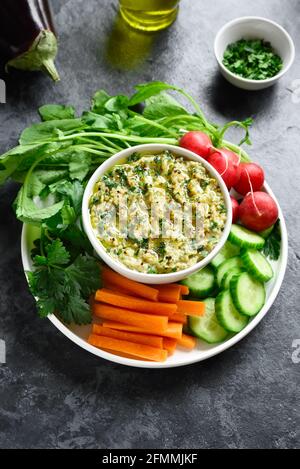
(50, 69)
(39, 56)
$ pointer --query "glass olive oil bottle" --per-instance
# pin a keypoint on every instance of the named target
(149, 15)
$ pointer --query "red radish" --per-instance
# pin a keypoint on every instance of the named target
(252, 178)
(227, 164)
(198, 142)
(258, 211)
(235, 210)
(231, 156)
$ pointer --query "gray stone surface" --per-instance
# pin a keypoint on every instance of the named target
(55, 395)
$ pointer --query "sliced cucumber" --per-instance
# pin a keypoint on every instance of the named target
(208, 327)
(228, 251)
(244, 238)
(226, 266)
(227, 314)
(218, 260)
(248, 294)
(225, 284)
(257, 265)
(202, 283)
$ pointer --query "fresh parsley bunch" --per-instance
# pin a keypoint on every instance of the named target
(62, 285)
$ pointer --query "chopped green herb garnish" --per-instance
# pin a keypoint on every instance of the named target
(161, 225)
(110, 183)
(122, 175)
(204, 184)
(223, 208)
(134, 189)
(133, 157)
(151, 270)
(161, 250)
(214, 225)
(139, 169)
(254, 59)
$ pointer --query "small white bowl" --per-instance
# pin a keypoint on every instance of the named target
(252, 27)
(118, 266)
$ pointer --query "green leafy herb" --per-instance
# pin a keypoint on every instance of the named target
(49, 131)
(100, 122)
(147, 90)
(79, 165)
(252, 59)
(62, 287)
(99, 100)
(273, 243)
(163, 105)
(51, 112)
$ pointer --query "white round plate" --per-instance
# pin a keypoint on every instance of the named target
(203, 351)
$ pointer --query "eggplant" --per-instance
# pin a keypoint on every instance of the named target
(27, 37)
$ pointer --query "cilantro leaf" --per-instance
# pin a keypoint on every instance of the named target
(273, 243)
(57, 253)
(72, 192)
(78, 310)
(85, 271)
(64, 289)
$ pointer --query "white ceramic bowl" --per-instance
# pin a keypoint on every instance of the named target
(252, 27)
(121, 268)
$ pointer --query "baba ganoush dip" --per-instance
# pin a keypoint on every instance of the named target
(145, 212)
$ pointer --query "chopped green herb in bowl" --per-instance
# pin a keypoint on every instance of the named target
(253, 59)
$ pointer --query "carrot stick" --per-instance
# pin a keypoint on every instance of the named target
(135, 304)
(151, 340)
(184, 290)
(133, 288)
(131, 348)
(187, 341)
(168, 293)
(191, 308)
(173, 330)
(152, 324)
(110, 286)
(178, 317)
(169, 345)
(122, 354)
